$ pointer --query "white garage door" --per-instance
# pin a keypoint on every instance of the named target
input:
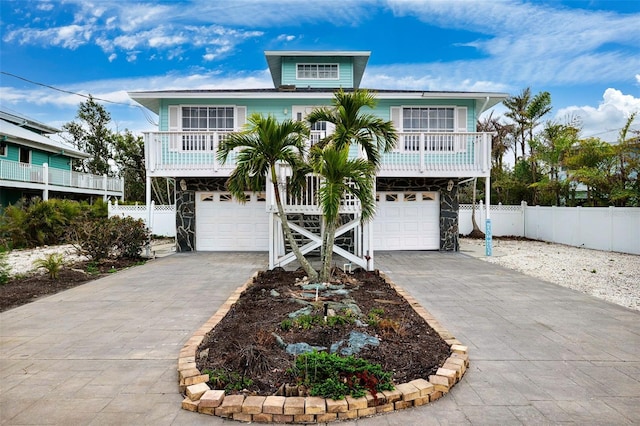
(223, 224)
(407, 221)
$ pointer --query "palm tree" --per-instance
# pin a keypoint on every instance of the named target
(371, 133)
(264, 144)
(340, 176)
(352, 126)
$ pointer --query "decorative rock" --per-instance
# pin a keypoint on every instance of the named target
(337, 406)
(189, 404)
(356, 403)
(273, 405)
(449, 374)
(315, 405)
(424, 386)
(230, 405)
(294, 405)
(459, 349)
(440, 383)
(409, 392)
(326, 417)
(253, 404)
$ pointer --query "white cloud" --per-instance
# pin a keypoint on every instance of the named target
(285, 37)
(112, 57)
(45, 6)
(605, 120)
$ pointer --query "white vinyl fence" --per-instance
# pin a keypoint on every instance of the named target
(163, 219)
(600, 228)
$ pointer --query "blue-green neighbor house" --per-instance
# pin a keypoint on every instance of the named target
(416, 186)
(34, 165)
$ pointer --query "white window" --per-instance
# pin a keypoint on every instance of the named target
(197, 125)
(417, 123)
(207, 118)
(317, 71)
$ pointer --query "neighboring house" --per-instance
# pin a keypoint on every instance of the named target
(33, 165)
(417, 184)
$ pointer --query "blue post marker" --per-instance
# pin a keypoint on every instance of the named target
(488, 243)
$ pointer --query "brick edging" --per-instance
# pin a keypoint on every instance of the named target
(294, 409)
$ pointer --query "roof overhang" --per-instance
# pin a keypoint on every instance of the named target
(274, 60)
(152, 100)
(19, 135)
(23, 121)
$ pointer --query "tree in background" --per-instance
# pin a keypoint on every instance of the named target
(116, 154)
(92, 135)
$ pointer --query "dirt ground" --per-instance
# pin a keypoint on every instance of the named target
(245, 340)
(24, 289)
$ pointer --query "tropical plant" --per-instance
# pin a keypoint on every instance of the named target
(330, 159)
(5, 268)
(52, 263)
(264, 145)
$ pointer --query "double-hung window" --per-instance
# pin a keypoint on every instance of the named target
(205, 119)
(429, 127)
(317, 71)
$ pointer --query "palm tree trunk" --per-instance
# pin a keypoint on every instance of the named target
(475, 232)
(327, 251)
(308, 268)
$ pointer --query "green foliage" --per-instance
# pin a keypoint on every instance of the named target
(114, 237)
(286, 324)
(53, 263)
(374, 316)
(4, 268)
(332, 376)
(228, 380)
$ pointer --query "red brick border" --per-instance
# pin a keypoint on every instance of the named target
(280, 409)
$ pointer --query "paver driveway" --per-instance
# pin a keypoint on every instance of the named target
(106, 352)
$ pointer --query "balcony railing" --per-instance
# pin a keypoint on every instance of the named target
(442, 154)
(43, 175)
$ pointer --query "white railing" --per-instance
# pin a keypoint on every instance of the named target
(440, 154)
(599, 228)
(21, 172)
(185, 153)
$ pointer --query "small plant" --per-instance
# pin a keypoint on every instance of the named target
(306, 322)
(332, 376)
(286, 324)
(228, 380)
(339, 320)
(92, 268)
(53, 263)
(374, 316)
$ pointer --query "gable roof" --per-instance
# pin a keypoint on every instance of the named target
(274, 60)
(20, 135)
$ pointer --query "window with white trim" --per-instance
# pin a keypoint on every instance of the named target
(431, 128)
(317, 71)
(422, 120)
(201, 119)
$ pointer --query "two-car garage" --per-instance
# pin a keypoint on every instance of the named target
(405, 220)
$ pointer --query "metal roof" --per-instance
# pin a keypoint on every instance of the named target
(20, 135)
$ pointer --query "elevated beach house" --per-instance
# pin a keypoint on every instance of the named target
(417, 184)
(34, 165)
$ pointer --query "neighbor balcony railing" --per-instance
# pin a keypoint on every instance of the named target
(48, 176)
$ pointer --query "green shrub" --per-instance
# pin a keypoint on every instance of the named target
(32, 223)
(332, 376)
(114, 238)
(53, 263)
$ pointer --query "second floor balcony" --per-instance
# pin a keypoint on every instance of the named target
(24, 175)
(426, 154)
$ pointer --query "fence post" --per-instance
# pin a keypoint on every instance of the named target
(523, 221)
(611, 209)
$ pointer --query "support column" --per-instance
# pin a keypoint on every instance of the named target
(45, 179)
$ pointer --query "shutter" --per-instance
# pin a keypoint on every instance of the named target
(461, 119)
(174, 123)
(460, 144)
(241, 117)
(396, 118)
(174, 126)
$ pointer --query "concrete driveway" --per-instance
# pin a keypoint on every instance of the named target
(106, 352)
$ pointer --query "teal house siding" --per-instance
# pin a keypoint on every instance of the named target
(345, 72)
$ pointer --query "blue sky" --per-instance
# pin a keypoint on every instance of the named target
(585, 53)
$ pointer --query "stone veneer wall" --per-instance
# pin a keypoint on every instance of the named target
(186, 206)
(448, 203)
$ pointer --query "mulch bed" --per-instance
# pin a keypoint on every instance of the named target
(23, 290)
(244, 340)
